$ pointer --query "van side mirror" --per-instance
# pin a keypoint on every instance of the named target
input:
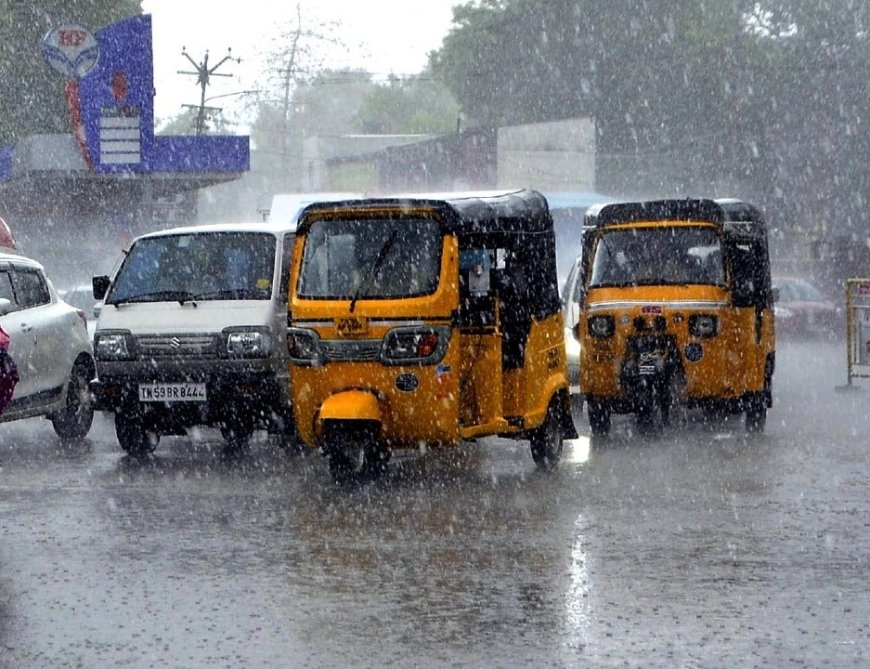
(100, 285)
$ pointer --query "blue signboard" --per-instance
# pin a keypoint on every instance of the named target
(113, 115)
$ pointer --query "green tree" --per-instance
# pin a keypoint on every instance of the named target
(409, 106)
(32, 95)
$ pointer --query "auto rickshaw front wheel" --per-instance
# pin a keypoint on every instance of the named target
(354, 450)
(756, 415)
(546, 442)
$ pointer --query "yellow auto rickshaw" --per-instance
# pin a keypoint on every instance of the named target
(676, 312)
(426, 321)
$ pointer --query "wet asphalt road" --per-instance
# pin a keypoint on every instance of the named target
(697, 548)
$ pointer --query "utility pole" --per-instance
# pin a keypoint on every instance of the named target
(203, 75)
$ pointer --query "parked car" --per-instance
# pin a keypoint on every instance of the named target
(82, 297)
(570, 311)
(49, 343)
(804, 310)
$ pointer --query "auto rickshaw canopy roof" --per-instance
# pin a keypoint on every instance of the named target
(734, 215)
(517, 221)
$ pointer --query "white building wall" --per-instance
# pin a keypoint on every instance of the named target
(553, 156)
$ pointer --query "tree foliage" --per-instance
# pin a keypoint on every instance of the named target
(337, 102)
(31, 93)
(771, 93)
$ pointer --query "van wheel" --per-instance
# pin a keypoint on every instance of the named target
(599, 418)
(75, 419)
(354, 452)
(132, 434)
(237, 430)
(547, 441)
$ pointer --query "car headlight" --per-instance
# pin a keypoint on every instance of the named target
(601, 326)
(303, 346)
(425, 345)
(703, 325)
(247, 343)
(114, 345)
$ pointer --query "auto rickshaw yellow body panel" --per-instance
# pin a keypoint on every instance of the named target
(427, 321)
(677, 309)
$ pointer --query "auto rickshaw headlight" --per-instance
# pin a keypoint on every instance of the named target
(303, 346)
(703, 325)
(415, 345)
(601, 326)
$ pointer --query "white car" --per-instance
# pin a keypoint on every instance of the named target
(570, 312)
(82, 297)
(49, 343)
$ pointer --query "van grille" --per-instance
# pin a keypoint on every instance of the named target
(166, 346)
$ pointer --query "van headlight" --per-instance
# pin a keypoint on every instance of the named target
(112, 345)
(703, 325)
(415, 345)
(247, 342)
(303, 346)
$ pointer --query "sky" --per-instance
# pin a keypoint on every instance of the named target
(381, 36)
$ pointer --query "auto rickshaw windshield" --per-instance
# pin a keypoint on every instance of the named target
(677, 255)
(370, 258)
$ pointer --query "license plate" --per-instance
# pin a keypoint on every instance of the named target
(172, 392)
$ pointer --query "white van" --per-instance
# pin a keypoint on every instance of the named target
(192, 332)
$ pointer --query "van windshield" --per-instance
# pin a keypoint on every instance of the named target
(370, 259)
(658, 256)
(201, 266)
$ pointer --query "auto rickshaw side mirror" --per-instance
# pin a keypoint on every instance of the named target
(100, 285)
(576, 331)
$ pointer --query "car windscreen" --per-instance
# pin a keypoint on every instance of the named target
(645, 256)
(199, 266)
(370, 259)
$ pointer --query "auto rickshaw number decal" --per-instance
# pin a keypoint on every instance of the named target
(351, 327)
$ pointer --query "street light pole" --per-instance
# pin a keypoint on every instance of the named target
(203, 75)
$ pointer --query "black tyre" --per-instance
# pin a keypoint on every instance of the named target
(354, 452)
(599, 418)
(647, 409)
(74, 421)
(756, 416)
(237, 430)
(547, 441)
(133, 435)
(289, 439)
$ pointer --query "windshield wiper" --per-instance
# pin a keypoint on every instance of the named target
(233, 294)
(375, 267)
(180, 296)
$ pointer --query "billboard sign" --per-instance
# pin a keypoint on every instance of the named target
(71, 50)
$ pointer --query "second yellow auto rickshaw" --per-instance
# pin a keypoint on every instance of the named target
(426, 321)
(676, 311)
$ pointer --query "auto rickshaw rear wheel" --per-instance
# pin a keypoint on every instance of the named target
(547, 441)
(756, 415)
